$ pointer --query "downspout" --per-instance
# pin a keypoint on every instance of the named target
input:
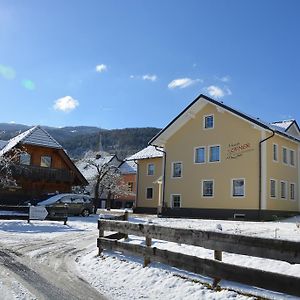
(260, 173)
(137, 182)
(164, 174)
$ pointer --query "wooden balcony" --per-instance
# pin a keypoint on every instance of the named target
(36, 173)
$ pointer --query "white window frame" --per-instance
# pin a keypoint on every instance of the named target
(287, 156)
(171, 201)
(172, 169)
(195, 151)
(277, 153)
(286, 189)
(41, 161)
(149, 164)
(231, 192)
(276, 189)
(213, 189)
(146, 194)
(204, 123)
(290, 157)
(290, 194)
(217, 161)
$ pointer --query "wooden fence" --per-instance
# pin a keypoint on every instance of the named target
(275, 249)
(11, 212)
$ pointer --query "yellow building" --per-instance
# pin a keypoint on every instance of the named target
(220, 163)
(149, 179)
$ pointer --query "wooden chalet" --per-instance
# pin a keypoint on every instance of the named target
(43, 168)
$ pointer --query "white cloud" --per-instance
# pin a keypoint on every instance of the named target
(149, 77)
(101, 68)
(216, 91)
(65, 104)
(131, 76)
(182, 83)
(225, 78)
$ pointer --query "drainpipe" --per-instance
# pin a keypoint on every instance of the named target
(260, 173)
(137, 182)
(164, 174)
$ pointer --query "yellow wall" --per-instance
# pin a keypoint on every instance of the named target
(228, 131)
(147, 181)
(280, 171)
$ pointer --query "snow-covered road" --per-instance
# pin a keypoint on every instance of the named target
(48, 260)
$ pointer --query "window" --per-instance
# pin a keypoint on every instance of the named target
(284, 155)
(273, 188)
(149, 193)
(283, 189)
(130, 186)
(25, 159)
(177, 169)
(238, 187)
(292, 157)
(214, 153)
(200, 155)
(209, 122)
(275, 152)
(150, 169)
(207, 188)
(176, 201)
(292, 191)
(46, 161)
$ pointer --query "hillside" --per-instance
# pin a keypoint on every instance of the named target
(79, 139)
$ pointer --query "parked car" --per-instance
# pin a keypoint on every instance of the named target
(76, 204)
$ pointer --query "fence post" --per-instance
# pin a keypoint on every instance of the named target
(126, 219)
(148, 247)
(101, 234)
(66, 214)
(217, 256)
(28, 220)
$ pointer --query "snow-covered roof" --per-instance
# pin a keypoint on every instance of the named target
(285, 124)
(148, 152)
(191, 110)
(128, 167)
(33, 136)
(89, 171)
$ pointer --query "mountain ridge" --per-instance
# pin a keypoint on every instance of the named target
(77, 140)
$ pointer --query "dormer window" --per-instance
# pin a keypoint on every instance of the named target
(209, 122)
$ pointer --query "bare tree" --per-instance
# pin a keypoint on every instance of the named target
(7, 163)
(107, 181)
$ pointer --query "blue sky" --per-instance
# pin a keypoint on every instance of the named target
(135, 63)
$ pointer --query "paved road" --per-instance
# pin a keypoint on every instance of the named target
(47, 267)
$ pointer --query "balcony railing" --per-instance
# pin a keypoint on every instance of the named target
(36, 173)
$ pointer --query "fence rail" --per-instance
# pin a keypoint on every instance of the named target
(288, 251)
(10, 212)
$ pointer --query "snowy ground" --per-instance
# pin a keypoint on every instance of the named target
(118, 276)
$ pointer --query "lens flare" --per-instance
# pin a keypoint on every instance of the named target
(28, 84)
(7, 72)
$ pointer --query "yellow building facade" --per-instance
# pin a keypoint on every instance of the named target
(217, 162)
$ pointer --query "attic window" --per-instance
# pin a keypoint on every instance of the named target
(209, 122)
(25, 159)
(46, 161)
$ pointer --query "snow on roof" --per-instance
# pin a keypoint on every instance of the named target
(89, 171)
(285, 124)
(33, 136)
(128, 167)
(148, 152)
(192, 109)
